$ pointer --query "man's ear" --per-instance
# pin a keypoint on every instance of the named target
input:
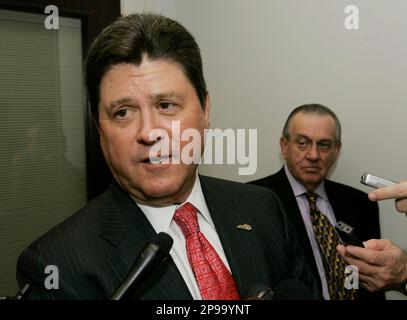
(338, 147)
(283, 146)
(96, 123)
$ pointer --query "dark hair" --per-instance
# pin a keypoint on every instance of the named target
(129, 38)
(313, 108)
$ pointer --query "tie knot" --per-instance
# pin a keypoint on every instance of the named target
(187, 219)
(312, 197)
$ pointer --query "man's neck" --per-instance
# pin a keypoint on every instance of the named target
(166, 200)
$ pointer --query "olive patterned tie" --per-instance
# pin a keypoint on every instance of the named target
(327, 240)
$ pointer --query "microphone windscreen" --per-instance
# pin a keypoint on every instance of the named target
(151, 256)
(163, 241)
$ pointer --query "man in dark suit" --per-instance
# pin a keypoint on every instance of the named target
(310, 144)
(144, 77)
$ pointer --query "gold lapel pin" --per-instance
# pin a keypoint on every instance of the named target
(245, 226)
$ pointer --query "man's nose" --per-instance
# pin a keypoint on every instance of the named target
(313, 152)
(147, 125)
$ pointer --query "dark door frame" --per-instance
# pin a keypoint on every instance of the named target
(94, 15)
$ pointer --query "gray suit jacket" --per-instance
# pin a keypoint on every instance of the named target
(95, 248)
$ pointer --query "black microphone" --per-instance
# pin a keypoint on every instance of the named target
(152, 255)
(21, 295)
(289, 289)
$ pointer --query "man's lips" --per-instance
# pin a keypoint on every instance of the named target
(157, 160)
(311, 168)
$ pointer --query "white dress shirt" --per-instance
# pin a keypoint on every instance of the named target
(325, 207)
(161, 220)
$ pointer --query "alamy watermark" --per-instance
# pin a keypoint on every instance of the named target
(229, 146)
(351, 277)
(52, 20)
(352, 20)
(51, 281)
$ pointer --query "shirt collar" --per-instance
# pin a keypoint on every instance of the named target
(299, 189)
(161, 217)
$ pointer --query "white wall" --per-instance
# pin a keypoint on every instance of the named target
(262, 58)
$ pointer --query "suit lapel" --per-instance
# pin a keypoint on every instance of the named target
(337, 203)
(286, 194)
(125, 226)
(240, 246)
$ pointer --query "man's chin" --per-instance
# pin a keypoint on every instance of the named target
(155, 188)
(312, 180)
(162, 194)
(158, 192)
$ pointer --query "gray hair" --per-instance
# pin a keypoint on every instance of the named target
(316, 109)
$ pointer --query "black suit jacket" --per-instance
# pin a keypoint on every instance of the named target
(95, 248)
(350, 205)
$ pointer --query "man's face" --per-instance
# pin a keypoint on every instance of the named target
(134, 101)
(311, 149)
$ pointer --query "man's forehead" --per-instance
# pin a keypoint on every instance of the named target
(313, 125)
(156, 79)
(160, 68)
(303, 119)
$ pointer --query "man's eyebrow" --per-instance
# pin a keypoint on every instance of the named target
(165, 95)
(120, 101)
(154, 97)
(299, 136)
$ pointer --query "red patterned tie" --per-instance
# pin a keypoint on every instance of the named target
(214, 280)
